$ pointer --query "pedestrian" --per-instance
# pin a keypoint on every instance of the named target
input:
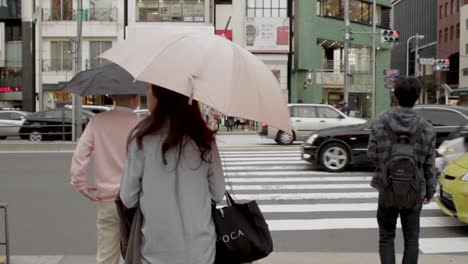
(402, 147)
(230, 123)
(105, 136)
(174, 171)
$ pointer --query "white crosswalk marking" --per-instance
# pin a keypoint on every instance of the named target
(296, 197)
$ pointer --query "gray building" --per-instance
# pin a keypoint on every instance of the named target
(412, 17)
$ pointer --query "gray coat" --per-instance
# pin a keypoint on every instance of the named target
(175, 201)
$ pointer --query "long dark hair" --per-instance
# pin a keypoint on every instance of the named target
(185, 122)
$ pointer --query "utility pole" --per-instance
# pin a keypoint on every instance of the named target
(346, 49)
(76, 117)
(416, 57)
(374, 56)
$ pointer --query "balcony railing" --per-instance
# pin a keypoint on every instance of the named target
(57, 65)
(95, 63)
(58, 14)
(101, 14)
(69, 14)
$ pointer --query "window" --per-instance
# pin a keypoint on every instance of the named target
(5, 116)
(359, 11)
(326, 112)
(458, 5)
(102, 10)
(458, 30)
(451, 33)
(465, 72)
(443, 117)
(96, 48)
(441, 11)
(62, 10)
(454, 8)
(53, 114)
(16, 116)
(446, 10)
(466, 49)
(61, 56)
(446, 35)
(267, 8)
(304, 112)
(170, 11)
(334, 8)
(466, 21)
(440, 36)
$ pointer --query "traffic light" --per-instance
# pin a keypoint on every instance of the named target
(442, 65)
(389, 36)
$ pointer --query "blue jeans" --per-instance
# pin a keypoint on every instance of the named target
(410, 222)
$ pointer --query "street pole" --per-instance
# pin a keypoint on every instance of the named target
(374, 56)
(76, 99)
(416, 57)
(346, 50)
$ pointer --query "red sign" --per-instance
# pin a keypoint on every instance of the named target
(8, 89)
(227, 34)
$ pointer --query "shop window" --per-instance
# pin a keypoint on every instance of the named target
(170, 11)
(61, 56)
(96, 48)
(267, 8)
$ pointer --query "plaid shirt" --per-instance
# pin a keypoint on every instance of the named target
(403, 120)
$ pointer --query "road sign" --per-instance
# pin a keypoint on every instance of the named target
(427, 61)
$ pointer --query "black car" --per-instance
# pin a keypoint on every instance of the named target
(337, 148)
(54, 124)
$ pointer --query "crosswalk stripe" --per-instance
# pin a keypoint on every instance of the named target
(443, 245)
(306, 196)
(350, 223)
(262, 159)
(296, 179)
(303, 167)
(266, 162)
(271, 171)
(272, 187)
(310, 208)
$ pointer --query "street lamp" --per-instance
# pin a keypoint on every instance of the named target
(417, 37)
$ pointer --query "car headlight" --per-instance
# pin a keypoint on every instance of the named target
(445, 150)
(311, 139)
(465, 177)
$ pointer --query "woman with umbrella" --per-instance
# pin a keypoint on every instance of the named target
(173, 171)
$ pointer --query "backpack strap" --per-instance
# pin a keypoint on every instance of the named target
(419, 131)
(393, 137)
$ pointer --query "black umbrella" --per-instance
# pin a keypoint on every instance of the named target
(108, 79)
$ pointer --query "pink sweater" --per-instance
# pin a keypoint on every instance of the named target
(105, 136)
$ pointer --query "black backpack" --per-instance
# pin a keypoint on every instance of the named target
(402, 176)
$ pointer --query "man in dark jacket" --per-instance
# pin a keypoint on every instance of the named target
(402, 120)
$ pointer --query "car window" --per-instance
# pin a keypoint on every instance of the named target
(16, 116)
(326, 112)
(53, 114)
(5, 115)
(304, 112)
(442, 117)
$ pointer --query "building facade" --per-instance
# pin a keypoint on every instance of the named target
(463, 80)
(448, 44)
(317, 54)
(11, 62)
(55, 44)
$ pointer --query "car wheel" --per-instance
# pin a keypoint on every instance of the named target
(334, 157)
(284, 138)
(3, 138)
(35, 136)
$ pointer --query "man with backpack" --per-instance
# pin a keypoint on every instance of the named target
(402, 147)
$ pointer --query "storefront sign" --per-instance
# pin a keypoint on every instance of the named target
(267, 34)
(8, 89)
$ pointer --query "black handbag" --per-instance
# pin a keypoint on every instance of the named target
(130, 232)
(242, 232)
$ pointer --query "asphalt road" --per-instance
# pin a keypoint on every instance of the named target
(306, 210)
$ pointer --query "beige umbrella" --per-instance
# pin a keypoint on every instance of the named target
(208, 68)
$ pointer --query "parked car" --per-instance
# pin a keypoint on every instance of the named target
(96, 109)
(307, 118)
(335, 149)
(11, 122)
(453, 192)
(51, 124)
(142, 113)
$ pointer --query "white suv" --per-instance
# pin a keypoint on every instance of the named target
(306, 119)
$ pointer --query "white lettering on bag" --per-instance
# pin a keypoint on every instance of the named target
(232, 236)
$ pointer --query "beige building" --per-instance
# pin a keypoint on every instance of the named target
(464, 47)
